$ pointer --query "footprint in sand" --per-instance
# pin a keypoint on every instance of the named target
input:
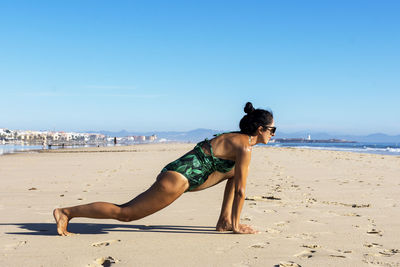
(303, 236)
(389, 252)
(221, 250)
(273, 231)
(103, 261)
(15, 246)
(105, 243)
(305, 254)
(372, 245)
(282, 224)
(269, 211)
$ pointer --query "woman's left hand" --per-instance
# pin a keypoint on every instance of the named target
(245, 229)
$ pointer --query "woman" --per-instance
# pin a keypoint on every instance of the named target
(225, 157)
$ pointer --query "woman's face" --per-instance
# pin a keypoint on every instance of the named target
(268, 133)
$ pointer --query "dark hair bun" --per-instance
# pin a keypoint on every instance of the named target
(249, 108)
(254, 119)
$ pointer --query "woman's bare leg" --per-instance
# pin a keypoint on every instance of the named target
(167, 188)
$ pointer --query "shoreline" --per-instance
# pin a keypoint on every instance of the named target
(129, 148)
(109, 148)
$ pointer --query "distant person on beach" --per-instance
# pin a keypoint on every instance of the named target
(225, 157)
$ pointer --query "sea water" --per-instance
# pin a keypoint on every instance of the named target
(9, 148)
(372, 148)
(359, 147)
(4, 149)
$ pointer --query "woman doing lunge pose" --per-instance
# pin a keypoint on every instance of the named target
(225, 157)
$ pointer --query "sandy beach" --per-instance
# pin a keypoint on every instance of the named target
(312, 208)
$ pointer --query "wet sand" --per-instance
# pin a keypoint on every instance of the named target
(312, 208)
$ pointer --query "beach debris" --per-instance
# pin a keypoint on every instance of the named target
(345, 251)
(337, 256)
(254, 198)
(32, 188)
(375, 231)
(271, 198)
(287, 264)
(360, 206)
(311, 246)
(258, 245)
(352, 214)
(346, 204)
(262, 198)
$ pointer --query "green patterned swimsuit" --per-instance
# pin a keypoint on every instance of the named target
(196, 165)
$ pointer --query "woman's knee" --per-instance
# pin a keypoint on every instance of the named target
(171, 182)
(126, 215)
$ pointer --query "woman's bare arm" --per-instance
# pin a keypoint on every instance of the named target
(241, 171)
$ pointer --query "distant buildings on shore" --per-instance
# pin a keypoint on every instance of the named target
(132, 139)
(65, 138)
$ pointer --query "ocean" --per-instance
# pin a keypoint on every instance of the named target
(361, 147)
(6, 149)
(371, 148)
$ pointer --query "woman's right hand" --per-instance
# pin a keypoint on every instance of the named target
(244, 229)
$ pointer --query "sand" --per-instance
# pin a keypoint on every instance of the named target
(312, 208)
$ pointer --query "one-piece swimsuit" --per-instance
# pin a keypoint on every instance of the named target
(197, 166)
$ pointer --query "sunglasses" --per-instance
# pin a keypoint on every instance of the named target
(271, 129)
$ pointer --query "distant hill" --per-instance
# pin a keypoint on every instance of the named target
(200, 134)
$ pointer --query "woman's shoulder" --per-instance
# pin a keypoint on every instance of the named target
(236, 139)
(231, 145)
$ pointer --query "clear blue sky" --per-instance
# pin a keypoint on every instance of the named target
(330, 66)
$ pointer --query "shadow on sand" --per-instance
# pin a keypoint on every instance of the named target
(47, 229)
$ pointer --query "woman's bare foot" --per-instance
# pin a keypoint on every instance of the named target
(223, 225)
(62, 222)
